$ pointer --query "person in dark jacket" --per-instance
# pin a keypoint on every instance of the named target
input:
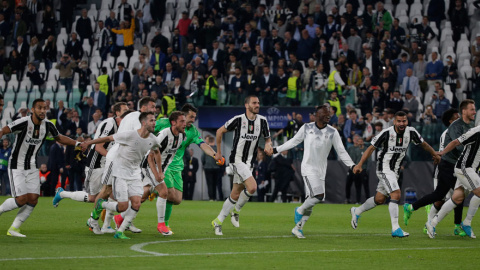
(190, 175)
(282, 166)
(260, 171)
(213, 173)
(75, 168)
(56, 165)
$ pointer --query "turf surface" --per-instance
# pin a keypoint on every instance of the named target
(57, 238)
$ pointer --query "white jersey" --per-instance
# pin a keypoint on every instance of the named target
(247, 135)
(394, 147)
(470, 157)
(106, 128)
(131, 150)
(130, 122)
(440, 149)
(28, 140)
(317, 145)
(169, 145)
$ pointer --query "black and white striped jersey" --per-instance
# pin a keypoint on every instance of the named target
(470, 157)
(106, 128)
(393, 147)
(246, 137)
(169, 144)
(28, 140)
(440, 149)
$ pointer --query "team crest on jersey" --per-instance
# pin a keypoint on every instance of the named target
(400, 140)
(250, 128)
(392, 138)
(244, 125)
(257, 128)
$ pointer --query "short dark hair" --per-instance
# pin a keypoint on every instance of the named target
(409, 92)
(464, 104)
(36, 101)
(118, 106)
(143, 116)
(188, 108)
(400, 114)
(1, 96)
(448, 115)
(145, 100)
(247, 99)
(126, 113)
(175, 115)
(379, 124)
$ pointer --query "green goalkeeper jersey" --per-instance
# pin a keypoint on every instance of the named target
(193, 136)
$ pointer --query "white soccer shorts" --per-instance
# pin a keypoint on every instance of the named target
(107, 176)
(24, 181)
(387, 182)
(93, 180)
(241, 172)
(123, 189)
(467, 178)
(149, 178)
(313, 185)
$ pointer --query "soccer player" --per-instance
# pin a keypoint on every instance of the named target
(446, 168)
(130, 122)
(173, 174)
(320, 137)
(30, 132)
(466, 170)
(248, 128)
(95, 160)
(127, 184)
(392, 143)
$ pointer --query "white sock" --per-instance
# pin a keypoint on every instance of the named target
(8, 205)
(22, 215)
(433, 213)
(79, 196)
(227, 207)
(305, 217)
(242, 200)
(161, 205)
(367, 205)
(447, 207)
(108, 219)
(112, 206)
(308, 204)
(130, 215)
(393, 209)
(472, 209)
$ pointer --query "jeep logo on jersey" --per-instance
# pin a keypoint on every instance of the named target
(33, 141)
(249, 137)
(397, 149)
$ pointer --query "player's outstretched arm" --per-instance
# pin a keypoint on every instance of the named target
(222, 130)
(450, 147)
(99, 140)
(207, 150)
(66, 140)
(436, 157)
(297, 139)
(365, 156)
(4, 131)
(341, 152)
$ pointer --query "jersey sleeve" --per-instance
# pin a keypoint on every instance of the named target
(340, 149)
(51, 129)
(415, 137)
(18, 125)
(298, 138)
(122, 137)
(380, 139)
(470, 136)
(265, 128)
(233, 123)
(196, 137)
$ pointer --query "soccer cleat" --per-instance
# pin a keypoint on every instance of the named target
(120, 235)
(459, 230)
(428, 208)
(235, 219)
(430, 229)
(163, 229)
(170, 229)
(425, 231)
(400, 233)
(407, 213)
(57, 197)
(102, 215)
(133, 229)
(12, 231)
(98, 209)
(118, 221)
(94, 227)
(217, 226)
(108, 230)
(468, 231)
(298, 217)
(355, 218)
(297, 233)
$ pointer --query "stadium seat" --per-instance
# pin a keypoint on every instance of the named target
(86, 47)
(462, 43)
(53, 74)
(447, 34)
(25, 85)
(3, 86)
(8, 111)
(466, 70)
(402, 7)
(104, 14)
(13, 83)
(38, 21)
(93, 12)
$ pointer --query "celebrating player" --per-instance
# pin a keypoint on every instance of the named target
(320, 137)
(30, 132)
(393, 143)
(248, 129)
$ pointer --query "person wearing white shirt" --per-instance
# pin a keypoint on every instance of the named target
(410, 82)
(320, 137)
(92, 126)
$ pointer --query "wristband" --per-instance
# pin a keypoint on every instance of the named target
(77, 143)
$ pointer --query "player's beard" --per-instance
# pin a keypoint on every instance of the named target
(39, 116)
(253, 110)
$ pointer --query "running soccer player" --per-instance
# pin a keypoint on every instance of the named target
(446, 168)
(320, 137)
(248, 129)
(130, 122)
(127, 184)
(393, 143)
(30, 132)
(173, 174)
(466, 171)
(95, 160)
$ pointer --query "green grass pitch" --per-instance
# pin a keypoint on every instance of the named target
(57, 238)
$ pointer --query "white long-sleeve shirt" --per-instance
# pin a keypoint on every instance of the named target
(317, 145)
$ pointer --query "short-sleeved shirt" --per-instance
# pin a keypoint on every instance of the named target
(169, 144)
(106, 128)
(192, 136)
(455, 130)
(28, 140)
(393, 147)
(130, 122)
(131, 150)
(470, 157)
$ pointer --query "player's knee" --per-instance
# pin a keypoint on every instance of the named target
(251, 190)
(122, 207)
(21, 200)
(395, 195)
(162, 193)
(457, 200)
(136, 205)
(91, 198)
(32, 201)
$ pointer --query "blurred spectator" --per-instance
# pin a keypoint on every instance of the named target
(84, 27)
(125, 37)
(282, 167)
(260, 168)
(179, 92)
(428, 117)
(50, 52)
(382, 19)
(5, 153)
(213, 173)
(66, 68)
(23, 50)
(76, 123)
(458, 15)
(158, 61)
(190, 175)
(410, 106)
(335, 102)
(87, 109)
(211, 89)
(369, 131)
(122, 75)
(433, 70)
(56, 166)
(441, 103)
(353, 126)
(410, 83)
(419, 71)
(424, 31)
(92, 125)
(413, 50)
(35, 77)
(125, 11)
(45, 180)
(75, 168)
(356, 151)
(66, 10)
(19, 27)
(402, 66)
(236, 90)
(4, 27)
(372, 63)
(104, 40)
(395, 103)
(74, 48)
(35, 52)
(169, 75)
(318, 85)
(183, 24)
(450, 78)
(159, 41)
(99, 98)
(84, 73)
